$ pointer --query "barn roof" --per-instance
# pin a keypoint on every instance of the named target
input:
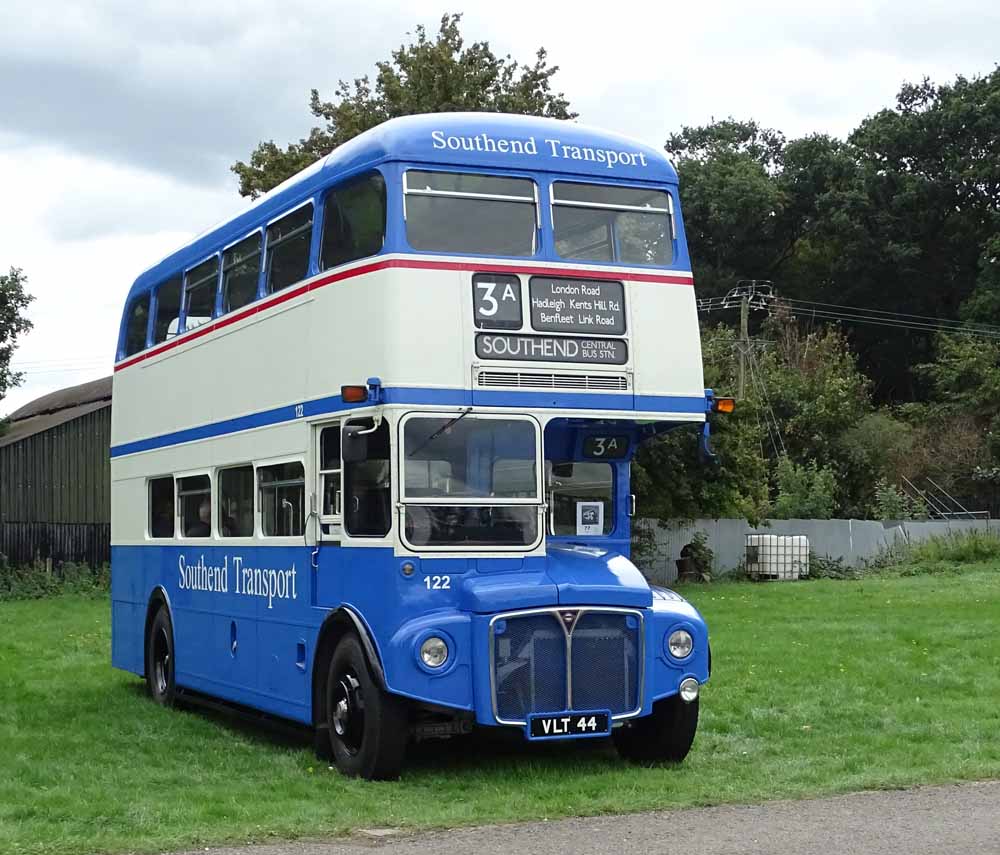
(57, 408)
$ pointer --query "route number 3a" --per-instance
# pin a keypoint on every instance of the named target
(437, 583)
(496, 301)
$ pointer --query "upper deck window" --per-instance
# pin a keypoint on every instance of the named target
(466, 213)
(199, 295)
(240, 272)
(604, 223)
(353, 221)
(288, 242)
(168, 310)
(135, 329)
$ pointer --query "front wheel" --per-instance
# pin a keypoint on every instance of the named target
(663, 737)
(368, 727)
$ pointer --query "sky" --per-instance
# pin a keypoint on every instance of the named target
(119, 119)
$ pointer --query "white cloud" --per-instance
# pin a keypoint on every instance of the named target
(118, 120)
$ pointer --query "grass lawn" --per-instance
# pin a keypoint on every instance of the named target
(819, 687)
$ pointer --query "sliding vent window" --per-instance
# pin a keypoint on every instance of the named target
(288, 249)
(138, 321)
(282, 499)
(464, 213)
(240, 272)
(619, 224)
(168, 310)
(353, 221)
(199, 296)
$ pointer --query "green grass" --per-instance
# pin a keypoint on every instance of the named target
(819, 687)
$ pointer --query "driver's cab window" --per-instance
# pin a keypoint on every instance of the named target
(367, 494)
(580, 498)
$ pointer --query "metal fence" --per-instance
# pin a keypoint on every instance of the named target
(81, 543)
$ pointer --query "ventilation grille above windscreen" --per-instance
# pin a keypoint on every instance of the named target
(548, 380)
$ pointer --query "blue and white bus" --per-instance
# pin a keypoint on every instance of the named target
(371, 443)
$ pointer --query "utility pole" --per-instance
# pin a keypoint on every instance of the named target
(749, 294)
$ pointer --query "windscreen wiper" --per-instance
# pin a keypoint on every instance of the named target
(438, 432)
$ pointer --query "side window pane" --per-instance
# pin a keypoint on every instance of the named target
(282, 499)
(573, 484)
(368, 511)
(353, 221)
(329, 453)
(161, 507)
(236, 501)
(240, 272)
(135, 331)
(195, 494)
(200, 295)
(168, 310)
(288, 249)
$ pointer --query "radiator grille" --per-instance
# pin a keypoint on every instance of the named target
(549, 380)
(536, 671)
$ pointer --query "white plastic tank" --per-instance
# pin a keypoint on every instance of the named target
(777, 556)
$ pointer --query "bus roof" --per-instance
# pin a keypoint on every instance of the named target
(482, 140)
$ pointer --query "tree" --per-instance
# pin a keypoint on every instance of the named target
(425, 76)
(13, 301)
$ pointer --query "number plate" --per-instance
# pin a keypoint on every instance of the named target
(569, 725)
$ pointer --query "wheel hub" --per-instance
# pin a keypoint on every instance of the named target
(347, 712)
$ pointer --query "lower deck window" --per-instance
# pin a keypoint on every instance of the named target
(282, 499)
(236, 501)
(195, 494)
(161, 507)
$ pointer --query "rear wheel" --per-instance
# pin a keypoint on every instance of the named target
(368, 727)
(160, 659)
(663, 737)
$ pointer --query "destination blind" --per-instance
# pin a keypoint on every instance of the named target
(577, 306)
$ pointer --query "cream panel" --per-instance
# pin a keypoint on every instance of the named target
(666, 346)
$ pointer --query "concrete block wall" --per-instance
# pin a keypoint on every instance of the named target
(855, 542)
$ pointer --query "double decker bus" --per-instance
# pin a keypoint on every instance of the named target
(371, 442)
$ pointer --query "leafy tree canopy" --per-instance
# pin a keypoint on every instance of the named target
(13, 324)
(440, 74)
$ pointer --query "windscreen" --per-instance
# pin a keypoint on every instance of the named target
(470, 481)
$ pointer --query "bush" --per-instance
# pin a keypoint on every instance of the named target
(696, 560)
(34, 581)
(804, 492)
(960, 547)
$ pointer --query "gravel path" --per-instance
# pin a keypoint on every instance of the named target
(951, 819)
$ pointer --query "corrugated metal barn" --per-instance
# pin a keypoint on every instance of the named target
(55, 478)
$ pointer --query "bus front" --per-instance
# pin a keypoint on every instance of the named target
(542, 326)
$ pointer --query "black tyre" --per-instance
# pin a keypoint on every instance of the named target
(160, 659)
(663, 737)
(368, 727)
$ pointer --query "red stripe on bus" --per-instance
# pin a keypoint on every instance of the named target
(411, 264)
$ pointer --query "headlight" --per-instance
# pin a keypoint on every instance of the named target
(434, 652)
(680, 644)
